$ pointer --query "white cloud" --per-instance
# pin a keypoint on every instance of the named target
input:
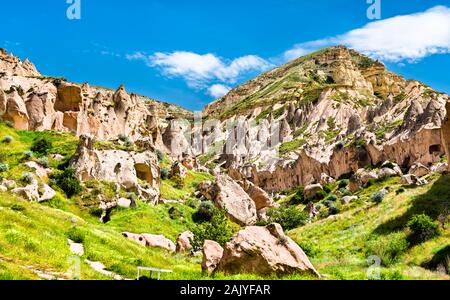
(198, 70)
(408, 37)
(218, 90)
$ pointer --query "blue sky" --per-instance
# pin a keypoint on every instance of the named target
(188, 52)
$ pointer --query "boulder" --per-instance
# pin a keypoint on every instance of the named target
(311, 190)
(76, 248)
(183, 242)
(212, 254)
(264, 251)
(135, 237)
(3, 188)
(230, 196)
(9, 184)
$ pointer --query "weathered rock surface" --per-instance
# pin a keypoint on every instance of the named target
(136, 172)
(264, 251)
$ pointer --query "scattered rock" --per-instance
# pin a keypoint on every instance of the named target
(35, 192)
(258, 195)
(312, 190)
(264, 251)
(76, 248)
(124, 203)
(348, 199)
(152, 240)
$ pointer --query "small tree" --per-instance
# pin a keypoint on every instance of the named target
(204, 213)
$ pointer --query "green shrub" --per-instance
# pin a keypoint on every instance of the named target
(17, 207)
(28, 154)
(4, 167)
(43, 161)
(422, 228)
(388, 248)
(345, 192)
(27, 177)
(41, 146)
(343, 183)
(68, 182)
(160, 155)
(327, 188)
(377, 197)
(298, 198)
(7, 139)
(218, 229)
(164, 173)
(76, 234)
(400, 191)
(310, 249)
(204, 213)
(288, 217)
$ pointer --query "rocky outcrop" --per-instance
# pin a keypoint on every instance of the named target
(135, 172)
(264, 251)
(212, 254)
(151, 240)
(183, 242)
(258, 195)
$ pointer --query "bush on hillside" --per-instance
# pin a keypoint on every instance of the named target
(4, 167)
(422, 228)
(76, 234)
(43, 161)
(298, 198)
(377, 197)
(160, 155)
(218, 229)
